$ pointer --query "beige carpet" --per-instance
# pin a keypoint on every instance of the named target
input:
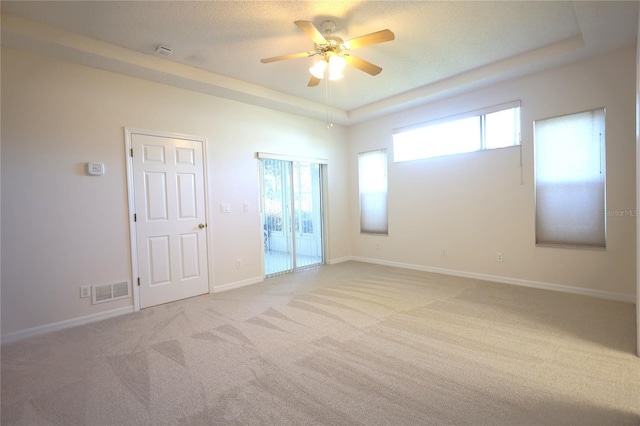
(348, 344)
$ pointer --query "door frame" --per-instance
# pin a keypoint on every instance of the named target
(323, 163)
(128, 133)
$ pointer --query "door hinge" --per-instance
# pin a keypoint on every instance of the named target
(138, 281)
(131, 152)
(135, 217)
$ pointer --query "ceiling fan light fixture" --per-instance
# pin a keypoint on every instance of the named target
(336, 65)
(318, 69)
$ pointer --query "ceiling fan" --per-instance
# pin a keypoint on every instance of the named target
(334, 52)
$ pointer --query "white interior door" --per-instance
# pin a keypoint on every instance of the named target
(170, 225)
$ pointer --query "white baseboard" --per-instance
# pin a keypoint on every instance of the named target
(630, 298)
(237, 284)
(339, 260)
(61, 325)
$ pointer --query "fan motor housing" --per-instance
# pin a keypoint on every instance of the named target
(335, 45)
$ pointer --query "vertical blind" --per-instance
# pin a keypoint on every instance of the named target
(570, 180)
(372, 170)
(292, 215)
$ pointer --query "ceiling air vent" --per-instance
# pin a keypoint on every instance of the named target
(163, 51)
(108, 292)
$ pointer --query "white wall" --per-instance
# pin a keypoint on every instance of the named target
(63, 229)
(475, 205)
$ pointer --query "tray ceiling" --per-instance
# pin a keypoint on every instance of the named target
(440, 48)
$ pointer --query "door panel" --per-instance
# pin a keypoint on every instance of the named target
(159, 260)
(307, 213)
(187, 196)
(153, 153)
(156, 196)
(168, 175)
(190, 267)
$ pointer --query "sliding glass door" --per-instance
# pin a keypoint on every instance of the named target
(292, 215)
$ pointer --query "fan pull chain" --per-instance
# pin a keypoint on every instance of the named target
(328, 98)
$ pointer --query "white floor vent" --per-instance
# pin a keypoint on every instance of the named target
(108, 292)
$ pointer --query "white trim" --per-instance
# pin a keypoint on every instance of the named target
(128, 132)
(630, 298)
(132, 225)
(324, 211)
(284, 157)
(637, 259)
(237, 284)
(339, 260)
(63, 325)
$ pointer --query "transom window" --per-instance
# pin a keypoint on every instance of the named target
(489, 128)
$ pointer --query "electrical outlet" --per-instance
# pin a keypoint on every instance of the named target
(238, 264)
(443, 252)
(498, 257)
(377, 246)
(85, 291)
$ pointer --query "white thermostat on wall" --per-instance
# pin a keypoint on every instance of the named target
(95, 169)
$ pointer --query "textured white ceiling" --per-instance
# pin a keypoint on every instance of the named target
(439, 47)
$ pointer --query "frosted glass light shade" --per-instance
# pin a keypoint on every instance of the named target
(318, 69)
(336, 65)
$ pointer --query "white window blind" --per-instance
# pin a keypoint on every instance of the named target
(372, 170)
(570, 180)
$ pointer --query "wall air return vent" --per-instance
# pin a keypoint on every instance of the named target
(108, 292)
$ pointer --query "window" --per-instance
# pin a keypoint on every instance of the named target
(570, 180)
(372, 168)
(490, 128)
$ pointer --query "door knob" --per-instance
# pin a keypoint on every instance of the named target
(202, 225)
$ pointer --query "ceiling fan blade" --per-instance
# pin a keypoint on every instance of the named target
(311, 31)
(363, 65)
(369, 39)
(290, 56)
(313, 81)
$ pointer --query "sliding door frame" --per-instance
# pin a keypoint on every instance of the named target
(322, 164)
